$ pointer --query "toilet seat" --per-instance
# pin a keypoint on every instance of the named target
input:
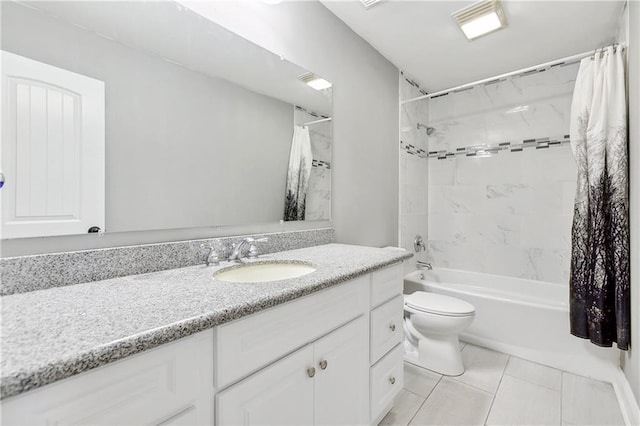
(438, 304)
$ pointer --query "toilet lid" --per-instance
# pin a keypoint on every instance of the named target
(438, 304)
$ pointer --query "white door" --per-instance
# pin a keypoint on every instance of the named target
(342, 379)
(52, 151)
(281, 394)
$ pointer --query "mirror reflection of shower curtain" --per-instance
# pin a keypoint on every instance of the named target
(298, 174)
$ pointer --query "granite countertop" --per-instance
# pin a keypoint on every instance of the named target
(48, 335)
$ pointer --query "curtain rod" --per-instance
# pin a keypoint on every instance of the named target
(570, 59)
(315, 122)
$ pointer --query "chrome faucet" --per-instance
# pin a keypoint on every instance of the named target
(236, 251)
(211, 257)
(423, 265)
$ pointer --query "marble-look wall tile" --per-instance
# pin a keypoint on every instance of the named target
(414, 173)
(318, 201)
(441, 172)
(549, 165)
(508, 213)
(456, 199)
(501, 168)
(549, 232)
(448, 254)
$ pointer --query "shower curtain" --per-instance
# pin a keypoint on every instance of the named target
(300, 160)
(599, 285)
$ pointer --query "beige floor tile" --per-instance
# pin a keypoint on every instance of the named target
(519, 402)
(419, 380)
(534, 373)
(483, 368)
(588, 402)
(404, 408)
(454, 403)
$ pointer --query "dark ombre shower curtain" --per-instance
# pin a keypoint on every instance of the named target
(599, 285)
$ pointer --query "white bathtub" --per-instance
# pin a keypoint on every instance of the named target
(525, 318)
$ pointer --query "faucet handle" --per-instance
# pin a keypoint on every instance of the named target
(253, 250)
(211, 255)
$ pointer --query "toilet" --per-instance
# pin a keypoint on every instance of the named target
(432, 323)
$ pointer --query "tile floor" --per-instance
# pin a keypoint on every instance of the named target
(498, 389)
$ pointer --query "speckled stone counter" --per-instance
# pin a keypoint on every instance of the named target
(48, 335)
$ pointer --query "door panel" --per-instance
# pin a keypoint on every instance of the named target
(281, 394)
(342, 386)
(52, 151)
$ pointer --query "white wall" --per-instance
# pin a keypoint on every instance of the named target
(364, 170)
(631, 359)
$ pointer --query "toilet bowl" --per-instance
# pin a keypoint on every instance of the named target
(432, 323)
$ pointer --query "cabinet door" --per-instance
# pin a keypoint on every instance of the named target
(155, 385)
(342, 379)
(281, 394)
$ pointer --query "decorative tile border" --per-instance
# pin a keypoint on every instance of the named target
(321, 164)
(312, 113)
(28, 273)
(416, 85)
(484, 150)
(412, 150)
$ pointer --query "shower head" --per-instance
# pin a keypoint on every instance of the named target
(429, 130)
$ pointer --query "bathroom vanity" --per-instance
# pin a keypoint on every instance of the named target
(179, 347)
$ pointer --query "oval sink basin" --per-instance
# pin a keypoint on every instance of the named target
(263, 272)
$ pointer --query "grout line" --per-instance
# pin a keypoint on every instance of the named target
(497, 390)
(537, 384)
(425, 400)
(455, 378)
(416, 394)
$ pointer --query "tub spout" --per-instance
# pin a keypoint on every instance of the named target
(423, 265)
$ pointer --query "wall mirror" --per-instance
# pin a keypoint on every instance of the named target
(198, 122)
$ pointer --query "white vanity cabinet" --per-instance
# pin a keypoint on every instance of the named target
(323, 383)
(168, 385)
(312, 360)
(385, 343)
(334, 357)
(331, 357)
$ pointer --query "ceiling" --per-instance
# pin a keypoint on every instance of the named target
(181, 35)
(421, 38)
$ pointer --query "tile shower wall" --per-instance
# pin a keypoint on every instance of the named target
(502, 176)
(318, 206)
(413, 169)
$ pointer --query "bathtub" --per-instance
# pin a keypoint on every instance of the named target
(524, 318)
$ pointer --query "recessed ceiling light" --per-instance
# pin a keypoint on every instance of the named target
(314, 81)
(369, 3)
(480, 18)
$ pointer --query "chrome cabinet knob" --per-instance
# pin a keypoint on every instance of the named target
(392, 380)
(323, 364)
(311, 372)
(392, 327)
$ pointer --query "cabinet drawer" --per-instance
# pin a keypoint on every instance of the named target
(386, 284)
(386, 328)
(245, 345)
(386, 378)
(144, 389)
